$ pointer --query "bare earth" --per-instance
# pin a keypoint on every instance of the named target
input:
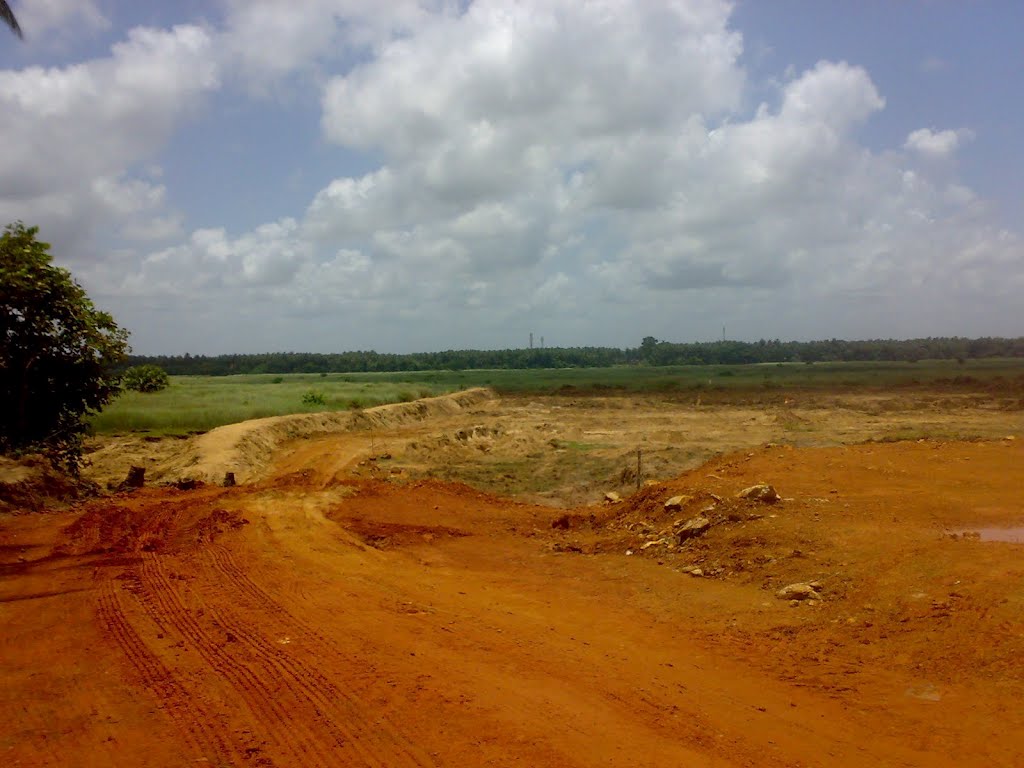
(355, 605)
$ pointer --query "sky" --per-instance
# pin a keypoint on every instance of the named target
(419, 175)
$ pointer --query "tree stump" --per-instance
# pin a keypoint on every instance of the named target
(136, 478)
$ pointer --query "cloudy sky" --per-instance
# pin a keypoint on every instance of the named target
(415, 175)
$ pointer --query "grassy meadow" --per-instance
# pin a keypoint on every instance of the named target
(200, 403)
(720, 378)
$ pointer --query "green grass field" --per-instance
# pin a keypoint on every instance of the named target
(199, 403)
(716, 378)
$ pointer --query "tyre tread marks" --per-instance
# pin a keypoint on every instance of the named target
(287, 733)
(304, 707)
(188, 713)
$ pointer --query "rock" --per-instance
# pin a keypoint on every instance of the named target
(229, 479)
(798, 591)
(653, 543)
(612, 497)
(762, 492)
(676, 502)
(697, 572)
(695, 526)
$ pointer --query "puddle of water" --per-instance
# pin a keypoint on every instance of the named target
(1014, 535)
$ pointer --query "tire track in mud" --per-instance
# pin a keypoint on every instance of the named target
(186, 710)
(300, 696)
(386, 740)
(288, 733)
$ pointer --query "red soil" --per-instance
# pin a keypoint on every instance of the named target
(381, 624)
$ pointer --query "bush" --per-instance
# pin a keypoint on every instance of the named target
(312, 397)
(145, 378)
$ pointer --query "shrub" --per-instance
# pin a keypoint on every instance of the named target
(145, 378)
(313, 397)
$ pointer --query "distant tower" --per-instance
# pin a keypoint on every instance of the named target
(531, 340)
(542, 342)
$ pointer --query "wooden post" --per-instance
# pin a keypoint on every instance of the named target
(136, 478)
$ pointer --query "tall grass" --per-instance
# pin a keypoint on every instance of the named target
(200, 403)
(742, 378)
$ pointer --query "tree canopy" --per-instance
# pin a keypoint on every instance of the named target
(56, 352)
(145, 378)
(650, 352)
(8, 18)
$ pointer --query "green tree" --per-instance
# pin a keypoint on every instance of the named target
(145, 378)
(7, 16)
(56, 352)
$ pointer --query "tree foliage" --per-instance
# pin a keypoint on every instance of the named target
(145, 378)
(56, 352)
(650, 352)
(7, 17)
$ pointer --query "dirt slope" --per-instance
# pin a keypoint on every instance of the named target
(246, 447)
(314, 620)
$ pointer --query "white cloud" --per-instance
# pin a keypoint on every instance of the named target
(936, 144)
(506, 75)
(42, 20)
(126, 196)
(592, 165)
(523, 175)
(322, 30)
(80, 129)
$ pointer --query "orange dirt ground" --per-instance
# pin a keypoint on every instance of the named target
(315, 618)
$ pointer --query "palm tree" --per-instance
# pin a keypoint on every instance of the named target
(7, 15)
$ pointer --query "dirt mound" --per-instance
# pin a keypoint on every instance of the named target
(148, 522)
(31, 484)
(247, 447)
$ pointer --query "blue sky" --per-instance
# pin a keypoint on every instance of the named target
(259, 175)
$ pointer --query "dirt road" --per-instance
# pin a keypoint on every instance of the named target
(316, 619)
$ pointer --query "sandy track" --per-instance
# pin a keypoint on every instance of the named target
(313, 620)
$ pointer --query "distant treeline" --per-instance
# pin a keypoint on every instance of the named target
(650, 352)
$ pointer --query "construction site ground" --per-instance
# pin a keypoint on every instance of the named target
(443, 583)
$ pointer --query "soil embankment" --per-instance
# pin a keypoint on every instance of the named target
(246, 448)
